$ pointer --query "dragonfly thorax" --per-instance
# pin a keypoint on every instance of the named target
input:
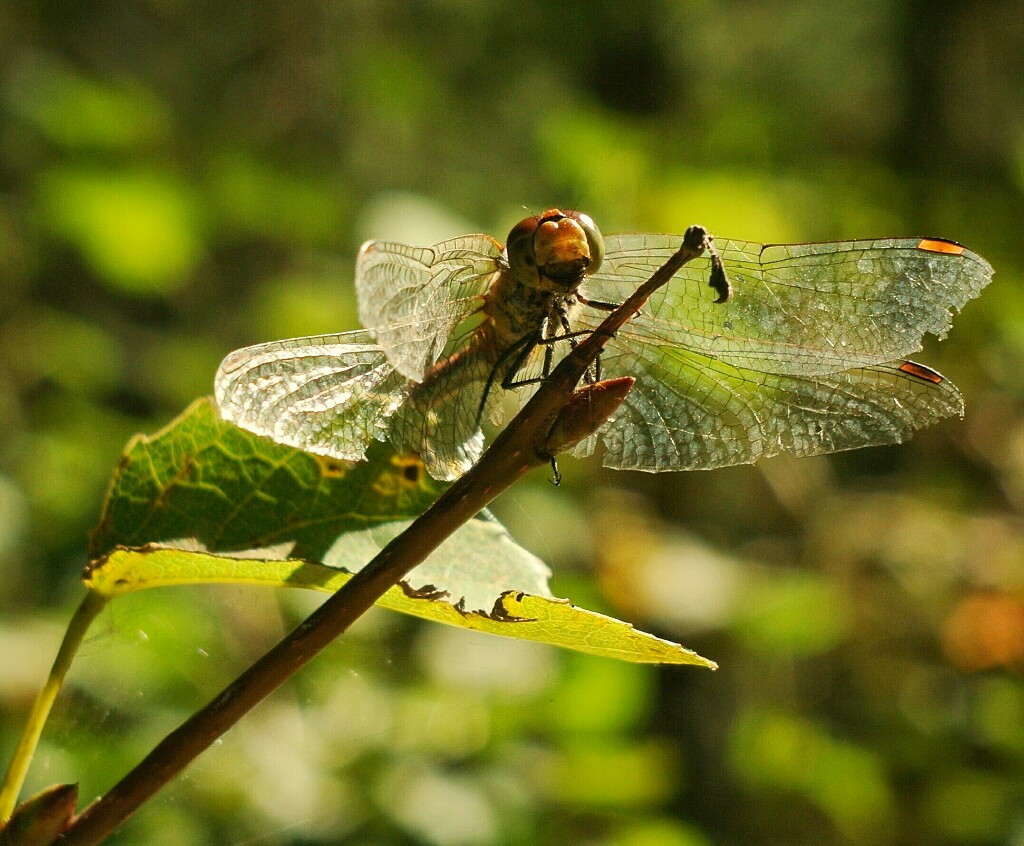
(515, 309)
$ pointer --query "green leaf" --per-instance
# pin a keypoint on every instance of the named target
(515, 614)
(204, 479)
(203, 501)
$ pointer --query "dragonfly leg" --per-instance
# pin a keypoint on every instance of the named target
(528, 345)
(548, 344)
(524, 346)
(568, 336)
(571, 336)
(549, 355)
(600, 305)
(556, 479)
(544, 339)
(541, 338)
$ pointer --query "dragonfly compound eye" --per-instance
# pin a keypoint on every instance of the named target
(561, 247)
(594, 240)
(519, 248)
(557, 246)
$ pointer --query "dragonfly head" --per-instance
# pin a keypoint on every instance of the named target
(554, 251)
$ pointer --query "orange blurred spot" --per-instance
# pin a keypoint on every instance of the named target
(935, 246)
(921, 372)
(985, 630)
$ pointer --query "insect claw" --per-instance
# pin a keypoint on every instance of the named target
(557, 480)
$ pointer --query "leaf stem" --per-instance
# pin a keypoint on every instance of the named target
(87, 611)
(517, 449)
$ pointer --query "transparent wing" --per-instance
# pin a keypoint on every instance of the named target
(333, 394)
(328, 394)
(690, 411)
(798, 309)
(439, 418)
(412, 298)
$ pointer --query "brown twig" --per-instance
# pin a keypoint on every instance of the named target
(519, 447)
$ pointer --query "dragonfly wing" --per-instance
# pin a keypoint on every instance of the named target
(328, 394)
(797, 309)
(689, 411)
(440, 418)
(413, 298)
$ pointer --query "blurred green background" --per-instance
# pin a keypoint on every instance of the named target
(178, 179)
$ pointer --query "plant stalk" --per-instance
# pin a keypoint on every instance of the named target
(87, 611)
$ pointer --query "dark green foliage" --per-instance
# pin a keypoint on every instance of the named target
(205, 479)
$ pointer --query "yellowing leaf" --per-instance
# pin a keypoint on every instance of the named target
(474, 566)
(520, 615)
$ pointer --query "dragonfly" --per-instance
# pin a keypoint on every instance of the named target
(804, 349)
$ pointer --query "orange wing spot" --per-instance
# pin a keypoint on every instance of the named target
(933, 245)
(921, 372)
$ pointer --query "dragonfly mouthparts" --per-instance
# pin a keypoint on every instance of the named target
(571, 271)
